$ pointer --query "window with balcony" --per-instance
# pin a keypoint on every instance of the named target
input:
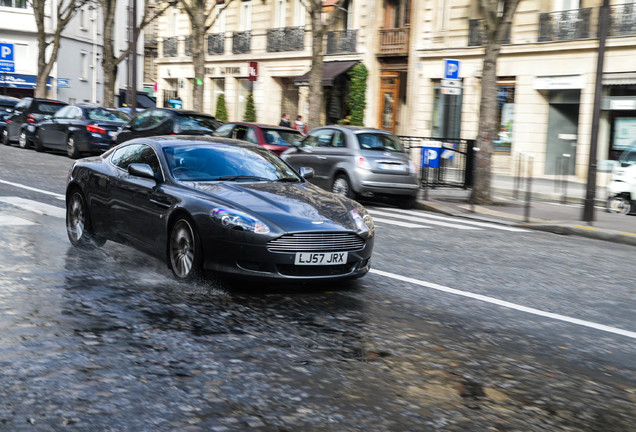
(394, 35)
(280, 13)
(170, 47)
(20, 4)
(300, 13)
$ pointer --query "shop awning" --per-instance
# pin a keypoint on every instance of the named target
(330, 70)
(619, 78)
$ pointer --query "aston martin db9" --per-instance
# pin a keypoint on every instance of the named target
(217, 204)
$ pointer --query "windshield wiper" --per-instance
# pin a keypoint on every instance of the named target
(288, 179)
(239, 177)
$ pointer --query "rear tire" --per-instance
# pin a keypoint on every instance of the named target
(37, 143)
(71, 147)
(619, 205)
(78, 226)
(5, 137)
(184, 250)
(342, 186)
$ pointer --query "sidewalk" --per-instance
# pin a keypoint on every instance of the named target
(547, 212)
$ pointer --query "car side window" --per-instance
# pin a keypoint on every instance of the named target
(224, 130)
(63, 113)
(251, 136)
(135, 153)
(75, 113)
(320, 138)
(240, 133)
(141, 121)
(22, 105)
(338, 139)
(155, 118)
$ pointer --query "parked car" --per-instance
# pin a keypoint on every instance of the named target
(357, 162)
(209, 203)
(29, 111)
(621, 190)
(79, 128)
(167, 121)
(274, 138)
(7, 103)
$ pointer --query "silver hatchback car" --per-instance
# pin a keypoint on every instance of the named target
(357, 162)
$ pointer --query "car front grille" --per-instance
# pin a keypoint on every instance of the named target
(316, 242)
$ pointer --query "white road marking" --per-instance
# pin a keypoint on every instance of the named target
(35, 206)
(399, 223)
(463, 221)
(56, 195)
(503, 303)
(6, 220)
(421, 219)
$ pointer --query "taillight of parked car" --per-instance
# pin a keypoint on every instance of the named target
(93, 128)
(30, 118)
(362, 163)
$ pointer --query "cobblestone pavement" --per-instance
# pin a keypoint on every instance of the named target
(105, 341)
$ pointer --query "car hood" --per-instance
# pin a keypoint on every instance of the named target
(292, 207)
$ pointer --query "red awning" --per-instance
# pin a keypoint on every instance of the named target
(330, 70)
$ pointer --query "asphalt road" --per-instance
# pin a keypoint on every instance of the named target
(458, 327)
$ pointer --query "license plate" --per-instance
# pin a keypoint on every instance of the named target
(320, 258)
(391, 167)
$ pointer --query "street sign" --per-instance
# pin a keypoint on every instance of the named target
(451, 91)
(252, 71)
(7, 66)
(451, 69)
(430, 154)
(63, 83)
(451, 83)
(6, 52)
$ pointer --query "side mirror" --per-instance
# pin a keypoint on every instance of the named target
(141, 170)
(306, 172)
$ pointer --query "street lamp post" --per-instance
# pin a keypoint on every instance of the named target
(131, 93)
(603, 23)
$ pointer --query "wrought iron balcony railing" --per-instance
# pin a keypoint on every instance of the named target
(341, 41)
(286, 39)
(241, 42)
(623, 20)
(188, 46)
(476, 33)
(216, 43)
(565, 25)
(170, 47)
(394, 41)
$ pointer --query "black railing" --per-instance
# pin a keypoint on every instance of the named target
(453, 160)
(188, 46)
(170, 47)
(216, 43)
(241, 42)
(476, 33)
(623, 20)
(565, 25)
(341, 41)
(286, 39)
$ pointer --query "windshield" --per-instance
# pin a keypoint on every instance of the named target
(379, 141)
(628, 157)
(281, 136)
(226, 163)
(106, 115)
(192, 123)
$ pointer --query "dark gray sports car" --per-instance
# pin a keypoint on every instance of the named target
(216, 204)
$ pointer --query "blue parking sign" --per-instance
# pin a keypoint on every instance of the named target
(431, 154)
(451, 69)
(6, 52)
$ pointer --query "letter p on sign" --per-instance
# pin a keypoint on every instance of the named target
(6, 52)
(451, 69)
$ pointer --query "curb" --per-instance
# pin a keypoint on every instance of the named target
(584, 231)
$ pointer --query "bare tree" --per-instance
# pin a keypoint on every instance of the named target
(110, 59)
(63, 13)
(202, 16)
(319, 25)
(497, 21)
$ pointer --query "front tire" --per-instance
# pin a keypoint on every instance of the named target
(71, 147)
(184, 250)
(619, 205)
(342, 186)
(78, 227)
(23, 142)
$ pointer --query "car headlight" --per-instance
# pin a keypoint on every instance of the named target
(234, 219)
(363, 221)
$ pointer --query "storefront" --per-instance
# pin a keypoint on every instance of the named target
(619, 111)
(18, 85)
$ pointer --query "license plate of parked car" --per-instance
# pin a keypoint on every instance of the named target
(391, 167)
(320, 258)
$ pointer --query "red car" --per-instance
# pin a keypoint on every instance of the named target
(274, 138)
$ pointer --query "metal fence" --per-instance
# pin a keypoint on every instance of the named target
(454, 164)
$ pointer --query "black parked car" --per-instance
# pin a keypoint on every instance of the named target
(29, 111)
(167, 121)
(7, 103)
(217, 204)
(79, 128)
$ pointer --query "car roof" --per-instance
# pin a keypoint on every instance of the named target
(356, 129)
(185, 140)
(263, 126)
(184, 112)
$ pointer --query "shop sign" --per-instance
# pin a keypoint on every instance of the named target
(558, 82)
(252, 71)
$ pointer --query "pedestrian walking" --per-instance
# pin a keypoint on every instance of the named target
(285, 120)
(300, 125)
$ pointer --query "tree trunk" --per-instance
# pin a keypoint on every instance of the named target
(109, 62)
(315, 76)
(198, 60)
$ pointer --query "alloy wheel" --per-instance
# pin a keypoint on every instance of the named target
(76, 218)
(619, 205)
(22, 140)
(183, 250)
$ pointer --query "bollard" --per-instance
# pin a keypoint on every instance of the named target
(472, 193)
(528, 189)
(564, 185)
